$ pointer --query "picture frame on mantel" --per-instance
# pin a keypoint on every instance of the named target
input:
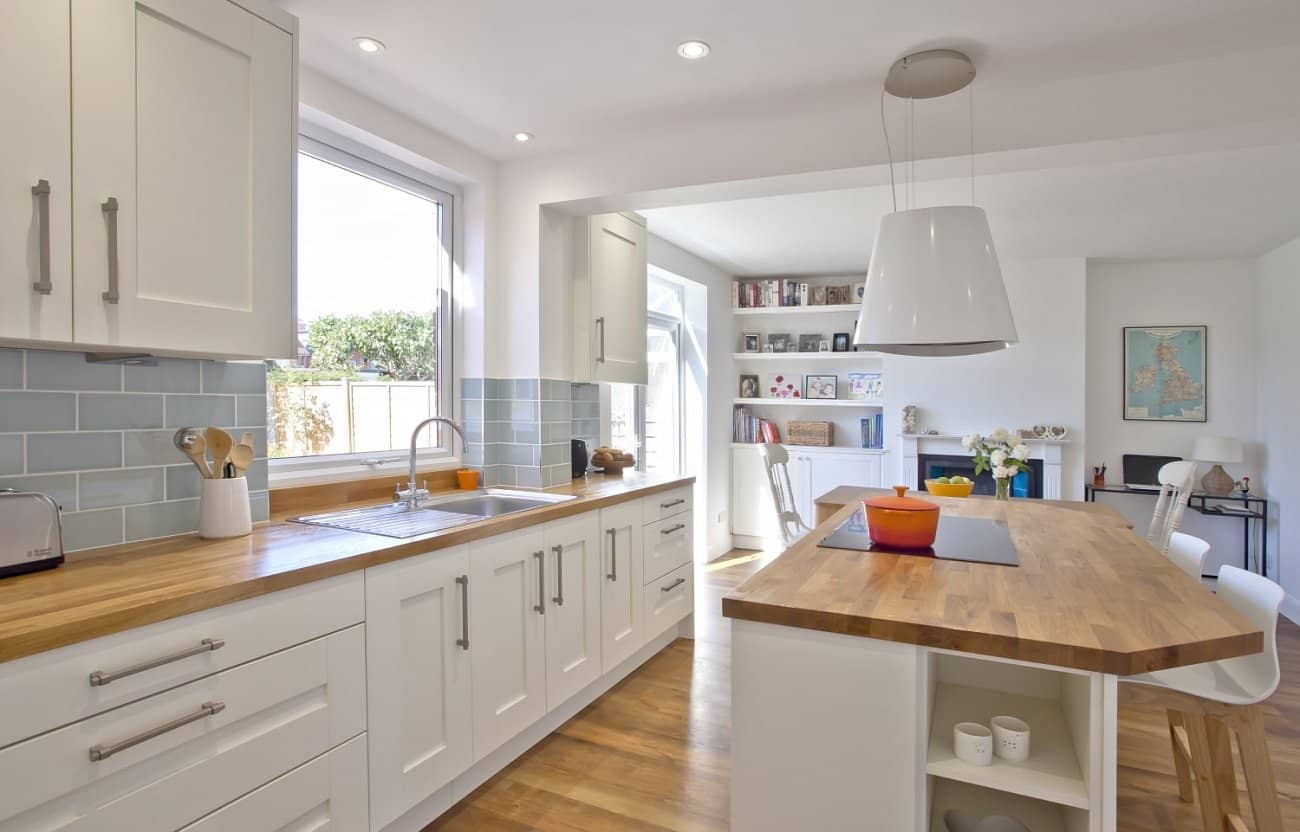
(1165, 373)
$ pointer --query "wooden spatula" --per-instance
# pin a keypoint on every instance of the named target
(241, 456)
(219, 444)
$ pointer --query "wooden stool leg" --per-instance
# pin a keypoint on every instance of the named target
(1225, 776)
(1182, 756)
(1203, 768)
(1259, 770)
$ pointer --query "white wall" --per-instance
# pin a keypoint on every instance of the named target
(1038, 381)
(713, 409)
(1277, 302)
(1217, 293)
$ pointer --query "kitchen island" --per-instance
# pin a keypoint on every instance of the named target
(850, 669)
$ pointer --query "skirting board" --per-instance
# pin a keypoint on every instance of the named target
(425, 812)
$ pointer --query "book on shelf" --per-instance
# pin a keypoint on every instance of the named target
(751, 430)
(768, 293)
(873, 431)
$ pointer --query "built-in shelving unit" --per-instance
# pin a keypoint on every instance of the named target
(811, 402)
(1037, 815)
(797, 310)
(805, 356)
(835, 449)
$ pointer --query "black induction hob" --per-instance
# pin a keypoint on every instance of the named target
(971, 539)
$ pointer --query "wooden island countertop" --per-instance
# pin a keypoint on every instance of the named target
(122, 587)
(1089, 593)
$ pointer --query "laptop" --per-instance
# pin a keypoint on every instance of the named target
(1141, 471)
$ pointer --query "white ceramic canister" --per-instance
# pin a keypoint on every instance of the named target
(972, 743)
(224, 510)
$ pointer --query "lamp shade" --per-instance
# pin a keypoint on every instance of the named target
(1217, 449)
(934, 286)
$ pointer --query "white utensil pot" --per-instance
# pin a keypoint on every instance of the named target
(1011, 738)
(972, 743)
(223, 508)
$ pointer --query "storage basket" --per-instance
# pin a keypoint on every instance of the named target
(817, 434)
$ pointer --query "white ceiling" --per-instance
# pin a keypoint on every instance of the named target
(1237, 203)
(579, 73)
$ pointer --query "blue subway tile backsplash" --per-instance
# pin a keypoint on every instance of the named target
(98, 438)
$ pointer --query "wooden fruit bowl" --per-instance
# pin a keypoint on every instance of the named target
(615, 469)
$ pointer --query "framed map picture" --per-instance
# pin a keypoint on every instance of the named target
(1164, 373)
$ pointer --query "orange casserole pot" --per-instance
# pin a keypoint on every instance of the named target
(902, 522)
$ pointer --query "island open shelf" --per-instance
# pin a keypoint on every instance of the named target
(1037, 815)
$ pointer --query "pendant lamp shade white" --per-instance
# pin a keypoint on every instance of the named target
(934, 286)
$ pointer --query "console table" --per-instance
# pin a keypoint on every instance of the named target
(1207, 504)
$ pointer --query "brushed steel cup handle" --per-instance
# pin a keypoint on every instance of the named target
(41, 190)
(559, 575)
(463, 641)
(109, 207)
(104, 751)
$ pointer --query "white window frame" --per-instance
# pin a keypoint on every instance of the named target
(352, 156)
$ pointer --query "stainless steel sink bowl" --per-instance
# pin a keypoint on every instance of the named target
(434, 514)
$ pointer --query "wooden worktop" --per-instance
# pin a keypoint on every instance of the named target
(142, 583)
(1089, 593)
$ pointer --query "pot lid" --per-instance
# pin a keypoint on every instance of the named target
(900, 502)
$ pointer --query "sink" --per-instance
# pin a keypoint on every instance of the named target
(433, 515)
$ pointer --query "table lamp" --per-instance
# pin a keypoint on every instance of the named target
(1217, 449)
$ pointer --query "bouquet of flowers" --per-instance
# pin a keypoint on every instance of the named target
(999, 453)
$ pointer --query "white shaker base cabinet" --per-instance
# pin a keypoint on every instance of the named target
(418, 679)
(572, 606)
(36, 176)
(507, 635)
(621, 607)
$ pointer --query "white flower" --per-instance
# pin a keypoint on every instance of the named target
(1000, 435)
(998, 458)
(970, 440)
(1020, 452)
(1000, 473)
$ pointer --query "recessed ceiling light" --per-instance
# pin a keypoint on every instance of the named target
(693, 50)
(521, 137)
(369, 45)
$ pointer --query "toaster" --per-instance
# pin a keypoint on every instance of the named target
(32, 537)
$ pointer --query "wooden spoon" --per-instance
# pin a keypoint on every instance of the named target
(191, 443)
(220, 443)
(241, 456)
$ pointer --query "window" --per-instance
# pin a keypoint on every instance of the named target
(373, 305)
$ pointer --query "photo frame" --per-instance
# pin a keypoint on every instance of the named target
(779, 342)
(749, 386)
(1165, 373)
(820, 387)
(818, 296)
(808, 343)
(752, 342)
(840, 342)
(823, 346)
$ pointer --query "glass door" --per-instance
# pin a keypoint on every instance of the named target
(663, 449)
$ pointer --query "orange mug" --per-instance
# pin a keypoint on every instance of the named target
(467, 479)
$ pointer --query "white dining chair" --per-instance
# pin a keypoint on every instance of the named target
(1210, 702)
(1176, 481)
(1188, 553)
(775, 462)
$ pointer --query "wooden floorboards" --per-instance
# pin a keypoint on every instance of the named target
(653, 753)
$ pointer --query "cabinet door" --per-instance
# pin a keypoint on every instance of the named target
(830, 471)
(620, 585)
(417, 679)
(572, 606)
(507, 636)
(183, 159)
(752, 513)
(618, 298)
(36, 174)
(800, 468)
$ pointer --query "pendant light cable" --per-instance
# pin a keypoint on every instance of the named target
(884, 127)
(971, 100)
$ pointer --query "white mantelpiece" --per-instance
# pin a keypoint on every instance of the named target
(912, 445)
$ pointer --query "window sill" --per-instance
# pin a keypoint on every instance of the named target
(353, 471)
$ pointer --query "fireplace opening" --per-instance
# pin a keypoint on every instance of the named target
(1025, 484)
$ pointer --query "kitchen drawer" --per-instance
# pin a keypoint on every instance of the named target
(669, 600)
(667, 545)
(51, 689)
(667, 504)
(329, 793)
(262, 719)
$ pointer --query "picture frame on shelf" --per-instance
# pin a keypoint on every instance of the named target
(808, 343)
(767, 348)
(840, 342)
(859, 291)
(752, 342)
(821, 387)
(818, 296)
(749, 386)
(779, 342)
(781, 386)
(862, 386)
(823, 346)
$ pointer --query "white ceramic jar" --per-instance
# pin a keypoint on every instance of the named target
(224, 510)
(972, 743)
(1011, 738)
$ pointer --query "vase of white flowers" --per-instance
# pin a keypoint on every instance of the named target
(1000, 454)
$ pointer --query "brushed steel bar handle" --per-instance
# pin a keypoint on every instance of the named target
(559, 575)
(672, 585)
(109, 208)
(540, 606)
(600, 322)
(463, 641)
(613, 554)
(100, 677)
(676, 528)
(672, 503)
(103, 752)
(41, 190)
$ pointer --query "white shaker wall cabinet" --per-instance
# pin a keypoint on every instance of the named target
(621, 599)
(36, 176)
(183, 153)
(418, 680)
(507, 636)
(572, 606)
(609, 294)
